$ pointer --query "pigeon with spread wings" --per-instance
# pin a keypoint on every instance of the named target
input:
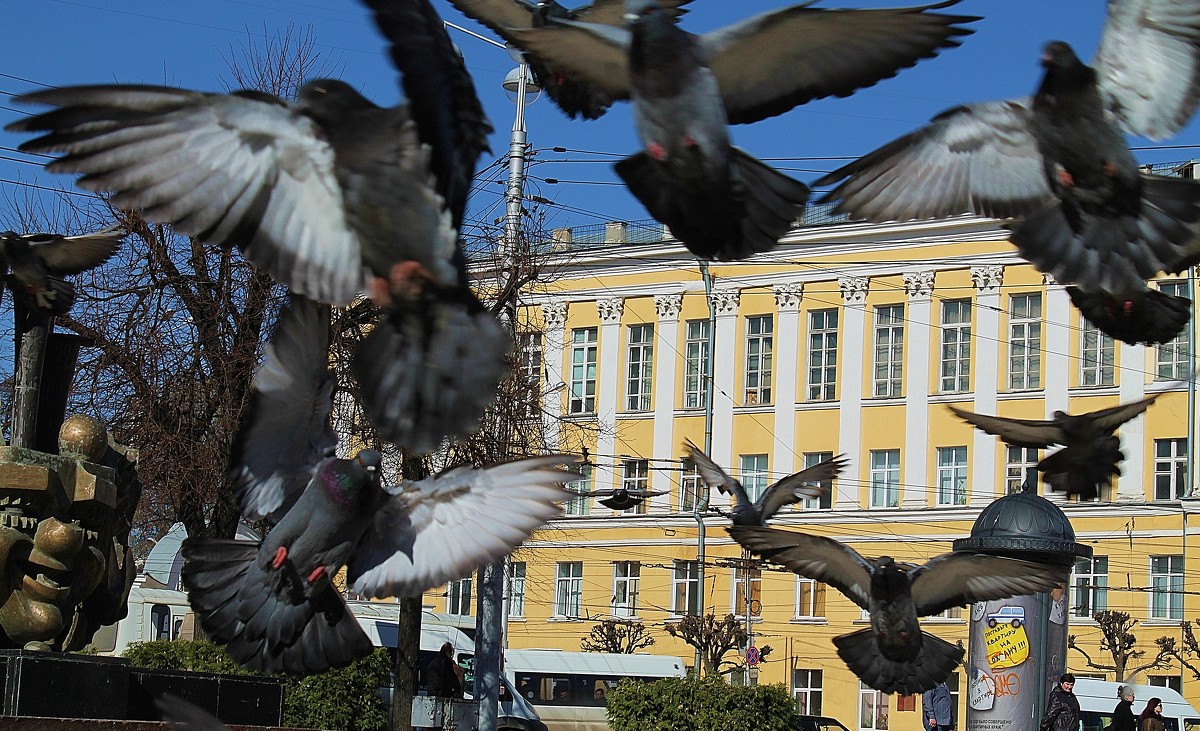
(272, 602)
(1059, 162)
(1090, 453)
(719, 201)
(894, 654)
(791, 489)
(35, 265)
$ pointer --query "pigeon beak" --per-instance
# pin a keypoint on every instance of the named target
(631, 17)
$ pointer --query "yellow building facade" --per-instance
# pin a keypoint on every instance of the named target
(846, 339)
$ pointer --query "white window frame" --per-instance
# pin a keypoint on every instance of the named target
(640, 367)
(760, 340)
(737, 592)
(585, 346)
(1166, 587)
(753, 474)
(807, 690)
(580, 504)
(877, 704)
(1170, 469)
(888, 373)
(952, 476)
(515, 574)
(810, 599)
(685, 588)
(627, 576)
(696, 364)
(1089, 578)
(568, 589)
(1021, 464)
(1024, 342)
(690, 485)
(635, 475)
(1172, 359)
(956, 346)
(822, 354)
(459, 594)
(885, 478)
(825, 501)
(529, 367)
(1097, 356)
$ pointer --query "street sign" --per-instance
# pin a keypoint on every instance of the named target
(752, 656)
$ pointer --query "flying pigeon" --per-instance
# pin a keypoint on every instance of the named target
(1060, 164)
(38, 263)
(790, 489)
(1091, 452)
(332, 195)
(718, 200)
(621, 498)
(894, 654)
(575, 97)
(272, 602)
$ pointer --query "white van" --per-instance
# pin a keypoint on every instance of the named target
(1098, 698)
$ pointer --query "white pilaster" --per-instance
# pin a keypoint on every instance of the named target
(554, 338)
(1056, 361)
(787, 355)
(854, 298)
(726, 355)
(985, 367)
(608, 387)
(666, 386)
(1131, 385)
(919, 287)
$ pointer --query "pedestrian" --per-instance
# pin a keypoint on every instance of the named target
(1151, 718)
(937, 708)
(1062, 710)
(1123, 718)
(440, 677)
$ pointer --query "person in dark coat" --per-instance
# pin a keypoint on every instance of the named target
(440, 677)
(936, 708)
(1123, 718)
(1062, 710)
(1151, 718)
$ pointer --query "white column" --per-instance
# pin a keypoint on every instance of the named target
(985, 364)
(854, 298)
(919, 287)
(554, 319)
(666, 386)
(1131, 384)
(787, 355)
(725, 357)
(1056, 361)
(608, 387)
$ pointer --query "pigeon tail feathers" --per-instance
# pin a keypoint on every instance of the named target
(937, 659)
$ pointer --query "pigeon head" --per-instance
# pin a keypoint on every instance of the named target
(638, 10)
(1058, 54)
(330, 99)
(370, 460)
(888, 580)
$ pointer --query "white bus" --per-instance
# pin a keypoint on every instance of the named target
(569, 689)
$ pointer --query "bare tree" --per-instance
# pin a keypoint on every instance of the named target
(1185, 651)
(1117, 639)
(713, 638)
(624, 636)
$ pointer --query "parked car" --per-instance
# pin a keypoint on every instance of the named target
(819, 723)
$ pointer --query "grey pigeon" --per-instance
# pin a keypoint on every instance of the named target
(575, 97)
(719, 201)
(1060, 164)
(790, 489)
(894, 654)
(621, 498)
(1091, 452)
(272, 603)
(332, 195)
(185, 716)
(37, 264)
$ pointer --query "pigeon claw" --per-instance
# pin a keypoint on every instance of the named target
(316, 574)
(280, 557)
(689, 141)
(1108, 169)
(657, 151)
(1065, 178)
(407, 279)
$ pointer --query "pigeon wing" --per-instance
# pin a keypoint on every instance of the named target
(796, 487)
(816, 557)
(74, 254)
(958, 579)
(1107, 420)
(1018, 432)
(444, 527)
(286, 431)
(713, 475)
(1148, 65)
(977, 158)
(612, 12)
(244, 169)
(769, 63)
(598, 54)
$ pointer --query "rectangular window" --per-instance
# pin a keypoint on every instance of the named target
(1025, 341)
(458, 597)
(627, 575)
(635, 476)
(695, 365)
(568, 589)
(1089, 586)
(806, 689)
(759, 346)
(885, 478)
(1174, 682)
(743, 581)
(956, 346)
(810, 599)
(822, 355)
(952, 475)
(1172, 358)
(889, 350)
(685, 588)
(516, 588)
(825, 502)
(641, 368)
(529, 372)
(753, 474)
(580, 504)
(583, 371)
(1097, 356)
(872, 709)
(690, 483)
(1170, 469)
(1166, 587)
(1021, 466)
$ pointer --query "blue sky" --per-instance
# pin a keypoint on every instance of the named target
(59, 42)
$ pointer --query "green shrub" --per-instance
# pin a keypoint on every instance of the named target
(338, 700)
(687, 704)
